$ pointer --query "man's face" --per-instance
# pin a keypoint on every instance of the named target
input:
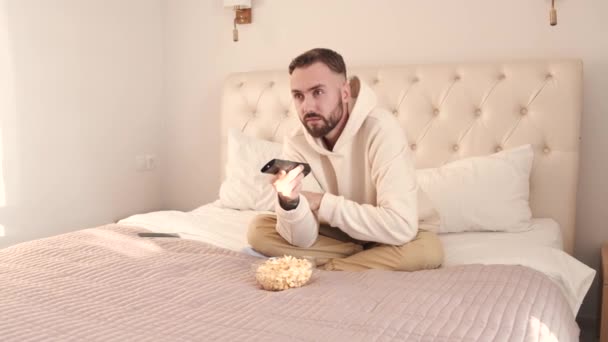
(317, 93)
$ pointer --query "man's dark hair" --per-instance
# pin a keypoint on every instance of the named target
(330, 58)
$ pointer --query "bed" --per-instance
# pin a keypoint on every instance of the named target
(106, 283)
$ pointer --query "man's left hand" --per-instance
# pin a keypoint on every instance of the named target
(313, 198)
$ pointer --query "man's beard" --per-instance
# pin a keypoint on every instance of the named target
(321, 130)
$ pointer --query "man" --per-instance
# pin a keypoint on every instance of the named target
(367, 218)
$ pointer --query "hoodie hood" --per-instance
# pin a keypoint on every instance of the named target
(362, 102)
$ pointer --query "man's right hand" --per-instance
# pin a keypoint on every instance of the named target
(288, 186)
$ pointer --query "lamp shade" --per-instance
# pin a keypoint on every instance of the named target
(237, 3)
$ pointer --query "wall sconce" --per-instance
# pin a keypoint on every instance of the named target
(553, 14)
(242, 14)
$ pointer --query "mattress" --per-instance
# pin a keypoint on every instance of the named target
(211, 223)
(539, 248)
(227, 228)
(461, 246)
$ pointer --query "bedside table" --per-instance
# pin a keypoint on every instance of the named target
(604, 285)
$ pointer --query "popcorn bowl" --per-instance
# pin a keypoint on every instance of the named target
(286, 272)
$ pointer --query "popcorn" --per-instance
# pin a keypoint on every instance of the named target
(278, 274)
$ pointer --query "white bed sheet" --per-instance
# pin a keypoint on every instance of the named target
(211, 223)
(539, 248)
(458, 247)
(227, 228)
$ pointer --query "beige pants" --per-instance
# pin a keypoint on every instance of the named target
(334, 250)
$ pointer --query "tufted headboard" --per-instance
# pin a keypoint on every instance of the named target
(452, 111)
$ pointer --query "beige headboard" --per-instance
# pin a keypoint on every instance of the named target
(452, 111)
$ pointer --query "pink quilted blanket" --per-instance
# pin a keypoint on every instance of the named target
(108, 284)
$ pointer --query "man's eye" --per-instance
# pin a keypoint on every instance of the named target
(318, 92)
(298, 97)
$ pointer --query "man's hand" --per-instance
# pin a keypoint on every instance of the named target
(288, 186)
(314, 199)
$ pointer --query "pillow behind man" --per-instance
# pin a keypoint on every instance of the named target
(486, 193)
(245, 187)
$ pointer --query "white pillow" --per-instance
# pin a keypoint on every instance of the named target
(245, 187)
(486, 193)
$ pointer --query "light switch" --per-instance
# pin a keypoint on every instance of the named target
(151, 162)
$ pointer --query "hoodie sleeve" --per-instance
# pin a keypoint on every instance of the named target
(394, 218)
(298, 226)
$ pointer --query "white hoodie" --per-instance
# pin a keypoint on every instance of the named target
(369, 180)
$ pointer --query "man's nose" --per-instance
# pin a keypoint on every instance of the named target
(308, 105)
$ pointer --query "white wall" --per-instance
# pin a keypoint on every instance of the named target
(193, 89)
(88, 84)
(366, 32)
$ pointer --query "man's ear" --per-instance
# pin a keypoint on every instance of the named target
(346, 92)
(354, 85)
